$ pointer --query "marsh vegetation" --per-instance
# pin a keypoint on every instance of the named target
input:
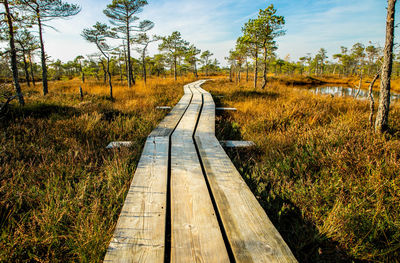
(325, 168)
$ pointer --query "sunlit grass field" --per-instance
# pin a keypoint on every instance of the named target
(61, 190)
(328, 183)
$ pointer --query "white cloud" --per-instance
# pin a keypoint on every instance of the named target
(331, 27)
(215, 25)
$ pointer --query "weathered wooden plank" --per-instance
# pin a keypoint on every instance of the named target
(206, 123)
(168, 124)
(196, 236)
(163, 107)
(113, 145)
(227, 144)
(226, 109)
(140, 232)
(237, 144)
(252, 236)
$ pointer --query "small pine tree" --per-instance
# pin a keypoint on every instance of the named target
(98, 35)
(13, 50)
(122, 14)
(175, 47)
(43, 11)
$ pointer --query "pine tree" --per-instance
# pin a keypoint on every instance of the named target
(98, 35)
(122, 14)
(27, 43)
(381, 123)
(44, 11)
(191, 58)
(13, 50)
(206, 60)
(175, 47)
(144, 40)
(259, 35)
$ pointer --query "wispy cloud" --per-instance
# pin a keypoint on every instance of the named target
(331, 24)
(215, 25)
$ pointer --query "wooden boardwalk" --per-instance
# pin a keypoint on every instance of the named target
(187, 202)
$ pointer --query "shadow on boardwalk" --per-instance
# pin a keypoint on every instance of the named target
(305, 241)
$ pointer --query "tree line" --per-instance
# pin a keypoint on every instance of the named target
(360, 59)
(22, 24)
(256, 50)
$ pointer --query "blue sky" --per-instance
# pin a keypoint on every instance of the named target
(215, 25)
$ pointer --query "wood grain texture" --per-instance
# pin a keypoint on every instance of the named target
(168, 124)
(237, 144)
(140, 232)
(113, 145)
(196, 236)
(163, 107)
(206, 123)
(251, 235)
(226, 109)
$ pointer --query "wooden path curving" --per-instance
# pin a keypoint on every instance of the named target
(187, 202)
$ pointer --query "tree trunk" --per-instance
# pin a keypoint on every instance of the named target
(255, 69)
(144, 66)
(120, 68)
(26, 67)
(230, 73)
(265, 69)
(381, 123)
(82, 73)
(175, 73)
(195, 70)
(109, 79)
(81, 92)
(126, 62)
(31, 65)
(359, 84)
(372, 102)
(130, 72)
(13, 54)
(247, 71)
(104, 71)
(43, 57)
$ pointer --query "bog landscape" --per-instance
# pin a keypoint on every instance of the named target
(121, 140)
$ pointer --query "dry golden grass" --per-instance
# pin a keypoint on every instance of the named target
(125, 99)
(330, 185)
(61, 190)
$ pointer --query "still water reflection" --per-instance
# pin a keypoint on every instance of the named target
(348, 92)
